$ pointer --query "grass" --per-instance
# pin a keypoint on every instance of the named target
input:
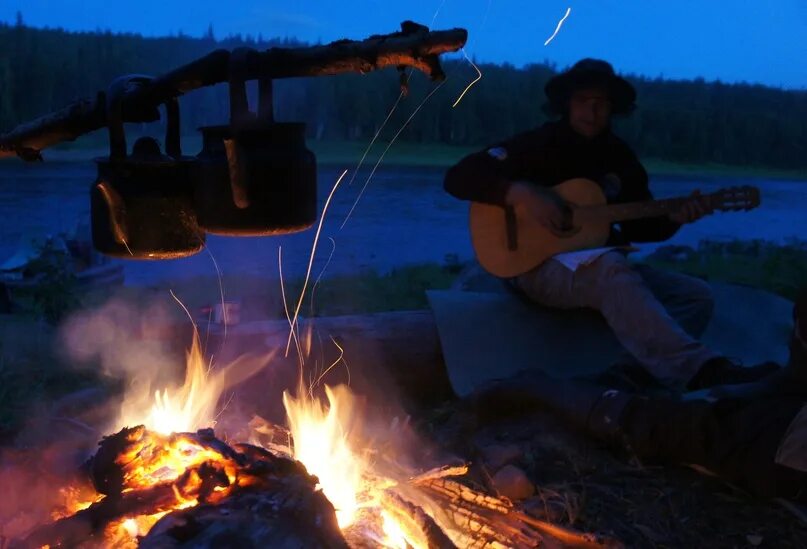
(658, 167)
(401, 153)
(779, 269)
(31, 372)
(433, 155)
(401, 289)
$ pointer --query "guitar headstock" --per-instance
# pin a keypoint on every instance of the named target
(735, 198)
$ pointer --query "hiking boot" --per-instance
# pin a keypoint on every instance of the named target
(594, 410)
(790, 380)
(722, 371)
(630, 377)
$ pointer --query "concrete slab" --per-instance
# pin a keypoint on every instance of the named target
(492, 335)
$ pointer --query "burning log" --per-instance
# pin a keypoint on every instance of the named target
(418, 526)
(414, 46)
(191, 488)
(139, 474)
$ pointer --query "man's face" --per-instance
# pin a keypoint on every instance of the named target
(589, 111)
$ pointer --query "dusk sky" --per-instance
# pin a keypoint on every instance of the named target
(760, 41)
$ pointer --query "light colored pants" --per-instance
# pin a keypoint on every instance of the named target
(657, 316)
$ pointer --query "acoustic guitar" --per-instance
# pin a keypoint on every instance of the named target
(508, 242)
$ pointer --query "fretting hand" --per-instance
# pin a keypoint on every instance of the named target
(695, 207)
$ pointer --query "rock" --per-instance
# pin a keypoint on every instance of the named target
(497, 456)
(512, 482)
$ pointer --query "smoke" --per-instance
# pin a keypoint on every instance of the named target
(170, 384)
(134, 343)
(122, 338)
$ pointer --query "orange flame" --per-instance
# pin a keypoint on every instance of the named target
(192, 405)
(321, 444)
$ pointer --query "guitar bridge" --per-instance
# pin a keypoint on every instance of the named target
(511, 228)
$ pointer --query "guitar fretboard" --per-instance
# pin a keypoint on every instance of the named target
(638, 210)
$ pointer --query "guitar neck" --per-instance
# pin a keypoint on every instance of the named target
(638, 210)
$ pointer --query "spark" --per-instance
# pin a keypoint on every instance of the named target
(221, 293)
(187, 312)
(485, 18)
(434, 17)
(110, 198)
(477, 79)
(321, 273)
(377, 133)
(193, 323)
(311, 258)
(381, 158)
(293, 332)
(224, 408)
(341, 358)
(560, 23)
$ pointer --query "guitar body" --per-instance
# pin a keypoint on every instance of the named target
(502, 255)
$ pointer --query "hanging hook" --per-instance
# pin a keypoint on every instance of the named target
(403, 80)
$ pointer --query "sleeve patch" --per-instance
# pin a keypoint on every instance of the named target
(499, 153)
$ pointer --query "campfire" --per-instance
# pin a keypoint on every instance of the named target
(165, 479)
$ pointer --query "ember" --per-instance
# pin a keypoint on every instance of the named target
(144, 479)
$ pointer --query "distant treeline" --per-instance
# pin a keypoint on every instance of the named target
(684, 121)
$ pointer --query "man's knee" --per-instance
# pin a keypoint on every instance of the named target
(611, 270)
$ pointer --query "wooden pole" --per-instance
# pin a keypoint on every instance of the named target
(414, 46)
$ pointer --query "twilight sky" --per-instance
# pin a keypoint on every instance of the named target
(759, 41)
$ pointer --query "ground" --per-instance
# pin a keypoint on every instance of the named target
(578, 483)
(586, 486)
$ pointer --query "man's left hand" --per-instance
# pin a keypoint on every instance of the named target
(693, 209)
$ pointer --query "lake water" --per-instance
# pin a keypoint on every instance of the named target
(404, 217)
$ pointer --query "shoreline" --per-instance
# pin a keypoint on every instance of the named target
(346, 154)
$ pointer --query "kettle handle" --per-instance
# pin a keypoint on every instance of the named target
(114, 110)
(240, 61)
(172, 141)
(237, 69)
(240, 115)
(266, 104)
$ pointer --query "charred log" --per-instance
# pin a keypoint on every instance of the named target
(277, 493)
(252, 519)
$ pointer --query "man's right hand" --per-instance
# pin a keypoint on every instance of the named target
(542, 205)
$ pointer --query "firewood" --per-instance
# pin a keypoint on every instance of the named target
(281, 488)
(440, 472)
(570, 538)
(419, 527)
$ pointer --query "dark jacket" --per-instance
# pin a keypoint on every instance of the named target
(551, 154)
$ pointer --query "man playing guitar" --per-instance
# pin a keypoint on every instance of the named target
(657, 316)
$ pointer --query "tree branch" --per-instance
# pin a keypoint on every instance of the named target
(414, 46)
